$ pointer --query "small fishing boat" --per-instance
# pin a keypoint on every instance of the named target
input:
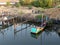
(38, 29)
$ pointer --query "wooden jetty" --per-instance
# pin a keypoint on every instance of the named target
(24, 17)
(6, 19)
(13, 19)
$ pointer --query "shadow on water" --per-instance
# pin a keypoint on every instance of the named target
(48, 30)
(53, 28)
(5, 26)
(36, 35)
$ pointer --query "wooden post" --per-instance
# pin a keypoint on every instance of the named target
(21, 18)
(21, 26)
(2, 23)
(46, 18)
(42, 18)
(14, 24)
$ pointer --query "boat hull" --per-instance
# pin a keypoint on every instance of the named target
(37, 30)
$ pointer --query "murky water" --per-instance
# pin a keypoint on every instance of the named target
(23, 36)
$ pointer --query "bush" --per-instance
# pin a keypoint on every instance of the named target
(39, 16)
(36, 3)
(8, 3)
(17, 4)
(30, 6)
(22, 2)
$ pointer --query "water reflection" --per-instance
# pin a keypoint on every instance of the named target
(36, 35)
(54, 28)
(22, 35)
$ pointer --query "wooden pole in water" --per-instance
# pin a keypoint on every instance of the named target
(2, 18)
(46, 18)
(21, 18)
(14, 24)
(21, 26)
(42, 18)
(2, 23)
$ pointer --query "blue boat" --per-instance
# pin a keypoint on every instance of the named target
(38, 28)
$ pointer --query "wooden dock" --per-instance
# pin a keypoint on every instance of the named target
(13, 19)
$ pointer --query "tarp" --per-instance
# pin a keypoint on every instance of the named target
(33, 30)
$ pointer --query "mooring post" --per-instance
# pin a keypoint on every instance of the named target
(14, 24)
(42, 18)
(2, 19)
(21, 19)
(26, 25)
(16, 19)
(2, 23)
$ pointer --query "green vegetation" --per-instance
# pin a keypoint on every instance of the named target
(40, 3)
(17, 4)
(8, 3)
(21, 2)
(35, 3)
(43, 3)
(39, 16)
(30, 6)
(41, 9)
